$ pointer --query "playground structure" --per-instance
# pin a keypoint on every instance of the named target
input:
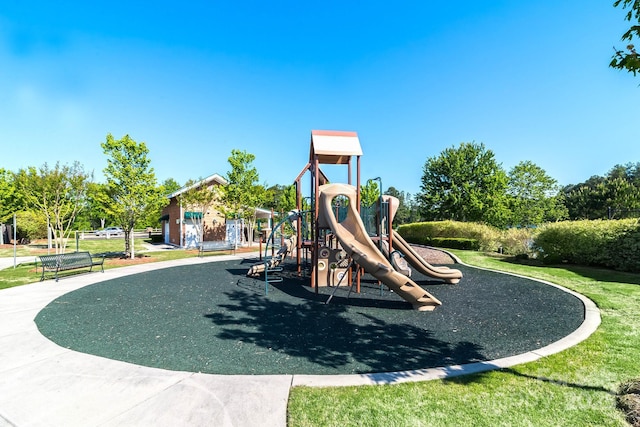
(286, 247)
(336, 239)
(353, 238)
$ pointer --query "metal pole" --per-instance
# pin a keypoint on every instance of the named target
(15, 237)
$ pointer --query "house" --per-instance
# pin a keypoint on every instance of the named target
(179, 224)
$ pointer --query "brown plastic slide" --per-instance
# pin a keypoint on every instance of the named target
(449, 275)
(356, 242)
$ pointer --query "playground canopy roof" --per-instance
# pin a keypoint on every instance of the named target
(334, 147)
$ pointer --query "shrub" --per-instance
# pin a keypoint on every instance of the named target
(517, 241)
(487, 238)
(30, 226)
(456, 243)
(607, 243)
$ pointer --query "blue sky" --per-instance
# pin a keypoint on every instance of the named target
(194, 80)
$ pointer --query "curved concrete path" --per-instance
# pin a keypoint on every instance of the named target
(43, 384)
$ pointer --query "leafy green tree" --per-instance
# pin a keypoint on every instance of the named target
(464, 184)
(369, 193)
(408, 209)
(281, 198)
(586, 200)
(199, 198)
(132, 184)
(151, 215)
(10, 199)
(96, 214)
(243, 194)
(59, 193)
(169, 186)
(629, 59)
(287, 201)
(533, 196)
(612, 196)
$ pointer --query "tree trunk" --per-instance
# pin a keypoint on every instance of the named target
(127, 244)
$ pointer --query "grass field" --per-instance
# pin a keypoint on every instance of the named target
(112, 248)
(576, 387)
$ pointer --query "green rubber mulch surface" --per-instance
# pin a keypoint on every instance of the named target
(211, 318)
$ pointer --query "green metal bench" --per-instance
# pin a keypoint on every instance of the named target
(69, 261)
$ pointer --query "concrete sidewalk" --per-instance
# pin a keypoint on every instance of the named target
(7, 262)
(43, 384)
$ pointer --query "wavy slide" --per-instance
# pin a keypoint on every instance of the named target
(449, 275)
(356, 242)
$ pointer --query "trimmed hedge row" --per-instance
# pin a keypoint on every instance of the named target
(455, 243)
(452, 234)
(607, 243)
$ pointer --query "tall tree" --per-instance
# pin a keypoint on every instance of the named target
(533, 196)
(369, 193)
(10, 198)
(614, 195)
(407, 209)
(243, 194)
(98, 206)
(281, 198)
(151, 215)
(132, 184)
(59, 193)
(169, 186)
(629, 59)
(464, 184)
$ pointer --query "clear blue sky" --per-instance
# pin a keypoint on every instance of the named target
(196, 79)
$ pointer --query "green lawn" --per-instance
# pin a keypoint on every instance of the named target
(576, 387)
(114, 248)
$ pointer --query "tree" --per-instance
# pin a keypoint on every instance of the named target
(132, 184)
(586, 200)
(96, 215)
(59, 193)
(629, 59)
(369, 193)
(243, 194)
(533, 196)
(408, 211)
(11, 200)
(464, 184)
(169, 186)
(151, 215)
(281, 198)
(198, 199)
(615, 195)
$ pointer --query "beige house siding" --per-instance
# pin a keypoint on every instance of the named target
(214, 227)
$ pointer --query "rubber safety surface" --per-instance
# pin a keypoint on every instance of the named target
(211, 318)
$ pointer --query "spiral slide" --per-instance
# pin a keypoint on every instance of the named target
(356, 242)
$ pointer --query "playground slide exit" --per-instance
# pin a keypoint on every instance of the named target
(449, 275)
(356, 242)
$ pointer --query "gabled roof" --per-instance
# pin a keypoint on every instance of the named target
(215, 179)
(334, 147)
